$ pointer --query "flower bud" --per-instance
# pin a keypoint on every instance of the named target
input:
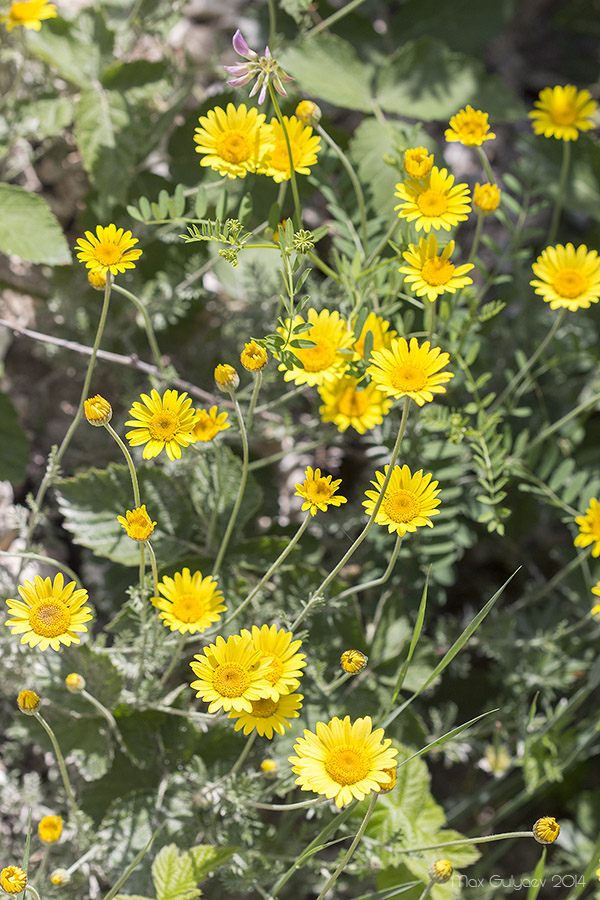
(28, 702)
(268, 766)
(226, 378)
(75, 683)
(418, 162)
(98, 411)
(393, 776)
(50, 829)
(546, 830)
(13, 879)
(137, 523)
(254, 357)
(440, 871)
(97, 280)
(308, 112)
(353, 661)
(60, 877)
(486, 198)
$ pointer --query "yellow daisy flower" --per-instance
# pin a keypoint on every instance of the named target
(323, 362)
(546, 830)
(348, 406)
(410, 372)
(408, 502)
(191, 603)
(231, 674)
(343, 760)
(317, 491)
(486, 198)
(207, 425)
(303, 144)
(233, 140)
(562, 112)
(380, 334)
(589, 528)
(596, 590)
(470, 127)
(109, 250)
(567, 277)
(13, 879)
(430, 272)
(98, 411)
(276, 646)
(436, 202)
(162, 423)
(269, 716)
(29, 13)
(137, 523)
(49, 613)
(50, 829)
(418, 162)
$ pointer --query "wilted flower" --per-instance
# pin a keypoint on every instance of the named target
(264, 68)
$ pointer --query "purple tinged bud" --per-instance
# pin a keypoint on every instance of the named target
(263, 94)
(239, 69)
(240, 46)
(240, 82)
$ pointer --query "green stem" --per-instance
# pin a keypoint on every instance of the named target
(431, 326)
(106, 713)
(30, 888)
(486, 165)
(24, 554)
(282, 556)
(334, 17)
(272, 24)
(426, 890)
(281, 454)
(281, 807)
(377, 582)
(355, 184)
(476, 238)
(147, 327)
(325, 269)
(243, 755)
(60, 760)
(47, 479)
(350, 852)
(241, 489)
(567, 418)
(550, 585)
(530, 362)
(295, 194)
(558, 203)
(217, 494)
(319, 591)
(254, 398)
(382, 243)
(283, 398)
(133, 865)
(134, 482)
(142, 575)
(152, 555)
(338, 681)
(466, 841)
(174, 660)
(42, 866)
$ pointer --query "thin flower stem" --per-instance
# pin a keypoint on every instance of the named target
(214, 511)
(25, 554)
(130, 465)
(556, 579)
(283, 398)
(147, 327)
(426, 890)
(274, 457)
(112, 722)
(350, 852)
(243, 755)
(431, 326)
(254, 398)
(60, 760)
(486, 165)
(142, 575)
(30, 888)
(295, 194)
(241, 489)
(282, 556)
(476, 238)
(382, 243)
(334, 17)
(546, 432)
(133, 865)
(355, 184)
(327, 270)
(525, 368)
(50, 472)
(152, 555)
(42, 866)
(272, 23)
(560, 193)
(377, 581)
(338, 681)
(465, 841)
(319, 591)
(174, 660)
(281, 807)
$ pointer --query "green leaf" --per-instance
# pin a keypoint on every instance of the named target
(131, 897)
(137, 73)
(205, 858)
(173, 875)
(371, 142)
(76, 49)
(462, 24)
(326, 67)
(100, 117)
(14, 450)
(425, 80)
(103, 679)
(49, 115)
(29, 229)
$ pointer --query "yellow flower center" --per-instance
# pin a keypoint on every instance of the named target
(346, 765)
(107, 253)
(49, 618)
(234, 146)
(264, 708)
(231, 680)
(280, 158)
(352, 402)
(318, 491)
(401, 506)
(408, 378)
(437, 271)
(432, 203)
(164, 425)
(139, 526)
(319, 358)
(471, 129)
(563, 113)
(569, 283)
(187, 608)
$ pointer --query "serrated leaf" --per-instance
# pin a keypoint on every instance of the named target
(29, 229)
(173, 875)
(327, 67)
(99, 118)
(14, 449)
(370, 143)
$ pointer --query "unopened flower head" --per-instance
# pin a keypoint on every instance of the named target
(418, 162)
(589, 528)
(254, 357)
(97, 280)
(440, 871)
(269, 766)
(13, 879)
(28, 702)
(50, 829)
(353, 661)
(137, 523)
(29, 13)
(109, 250)
(308, 112)
(318, 491)
(226, 378)
(60, 877)
(470, 127)
(49, 613)
(546, 830)
(75, 683)
(98, 411)
(562, 112)
(264, 68)
(486, 198)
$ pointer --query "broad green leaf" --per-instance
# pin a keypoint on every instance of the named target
(29, 228)
(211, 485)
(49, 115)
(206, 858)
(425, 80)
(100, 116)
(462, 24)
(327, 68)
(173, 875)
(14, 450)
(77, 49)
(125, 75)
